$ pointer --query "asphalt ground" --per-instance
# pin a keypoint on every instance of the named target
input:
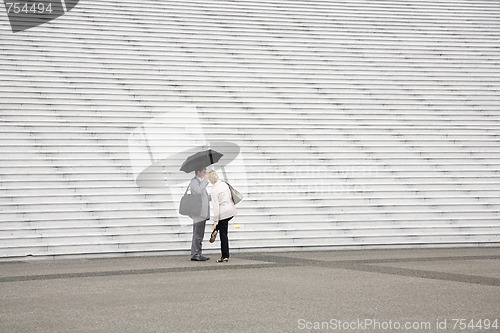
(408, 290)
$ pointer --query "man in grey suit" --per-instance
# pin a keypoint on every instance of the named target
(198, 185)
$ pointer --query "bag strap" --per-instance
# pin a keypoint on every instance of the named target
(188, 187)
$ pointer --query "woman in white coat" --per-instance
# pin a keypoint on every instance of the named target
(224, 210)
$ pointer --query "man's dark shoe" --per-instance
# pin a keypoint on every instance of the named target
(200, 258)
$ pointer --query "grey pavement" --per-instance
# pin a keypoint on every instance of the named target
(406, 290)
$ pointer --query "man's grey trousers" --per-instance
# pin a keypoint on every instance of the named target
(198, 233)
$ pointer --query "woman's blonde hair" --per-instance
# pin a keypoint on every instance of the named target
(213, 177)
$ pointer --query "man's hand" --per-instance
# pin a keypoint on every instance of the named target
(213, 228)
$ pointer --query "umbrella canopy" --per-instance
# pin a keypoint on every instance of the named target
(201, 159)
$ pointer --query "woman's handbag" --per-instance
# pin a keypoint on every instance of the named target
(190, 204)
(236, 196)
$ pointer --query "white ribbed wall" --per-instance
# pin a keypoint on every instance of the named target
(360, 123)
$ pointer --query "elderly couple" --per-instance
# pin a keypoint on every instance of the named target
(224, 210)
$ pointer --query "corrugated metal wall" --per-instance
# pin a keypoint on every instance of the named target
(345, 124)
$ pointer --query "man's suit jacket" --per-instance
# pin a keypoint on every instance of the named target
(198, 187)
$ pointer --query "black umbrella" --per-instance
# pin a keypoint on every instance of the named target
(201, 159)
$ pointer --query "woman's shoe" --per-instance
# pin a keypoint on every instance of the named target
(223, 260)
(213, 236)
